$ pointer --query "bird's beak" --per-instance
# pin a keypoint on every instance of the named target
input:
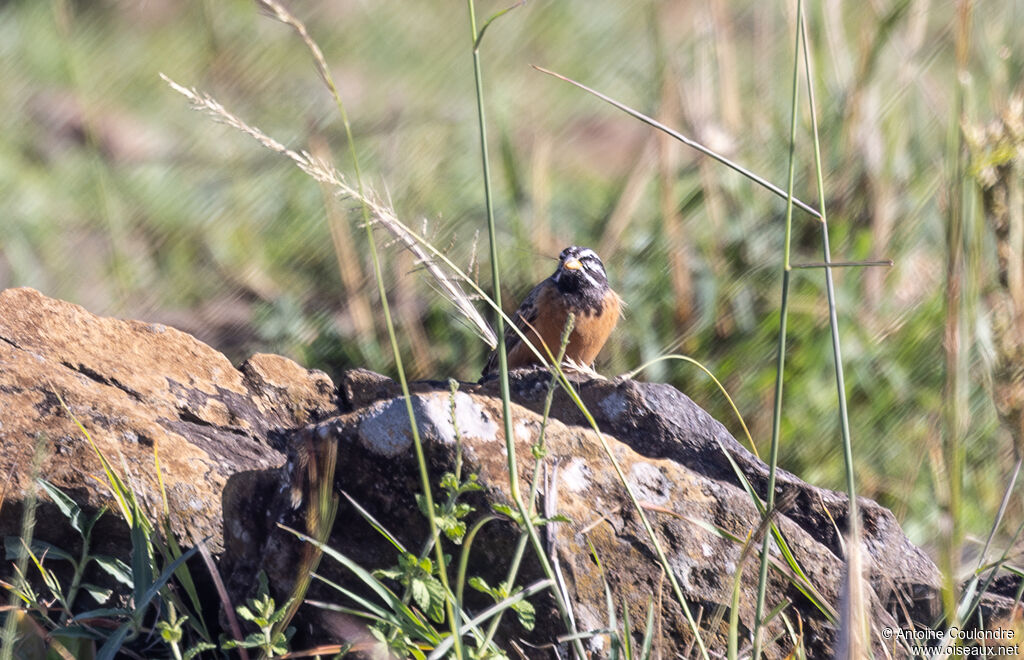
(572, 264)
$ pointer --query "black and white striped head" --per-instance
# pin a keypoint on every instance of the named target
(580, 271)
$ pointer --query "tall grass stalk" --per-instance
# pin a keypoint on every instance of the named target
(787, 268)
(780, 364)
(856, 627)
(957, 413)
(854, 523)
(506, 405)
(325, 74)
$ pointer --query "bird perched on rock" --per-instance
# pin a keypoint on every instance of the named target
(579, 286)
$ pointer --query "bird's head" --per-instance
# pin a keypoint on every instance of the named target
(580, 269)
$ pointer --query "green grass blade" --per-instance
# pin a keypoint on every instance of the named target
(373, 609)
(377, 525)
(378, 587)
(142, 569)
(648, 641)
(112, 646)
(762, 580)
(162, 580)
(627, 632)
(67, 506)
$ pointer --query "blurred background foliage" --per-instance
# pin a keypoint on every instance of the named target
(115, 196)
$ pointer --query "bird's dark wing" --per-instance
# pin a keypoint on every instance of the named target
(524, 317)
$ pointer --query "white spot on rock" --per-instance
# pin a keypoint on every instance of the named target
(576, 475)
(385, 428)
(523, 433)
(649, 483)
(614, 405)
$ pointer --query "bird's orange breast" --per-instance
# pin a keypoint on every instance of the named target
(590, 332)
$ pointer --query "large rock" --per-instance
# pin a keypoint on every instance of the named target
(238, 447)
(140, 390)
(673, 455)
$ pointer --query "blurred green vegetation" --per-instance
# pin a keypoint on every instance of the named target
(114, 195)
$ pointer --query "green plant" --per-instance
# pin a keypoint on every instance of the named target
(81, 623)
(263, 612)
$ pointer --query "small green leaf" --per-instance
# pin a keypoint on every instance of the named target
(102, 613)
(437, 599)
(506, 510)
(99, 594)
(449, 483)
(526, 613)
(420, 594)
(388, 573)
(252, 641)
(15, 549)
(170, 633)
(280, 613)
(66, 505)
(481, 585)
(378, 634)
(471, 484)
(115, 568)
(421, 503)
(142, 567)
(455, 530)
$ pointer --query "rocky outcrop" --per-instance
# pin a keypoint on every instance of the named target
(674, 456)
(235, 446)
(141, 391)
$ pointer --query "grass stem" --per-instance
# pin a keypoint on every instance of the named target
(780, 364)
(506, 406)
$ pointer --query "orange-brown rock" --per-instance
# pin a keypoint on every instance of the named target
(141, 391)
